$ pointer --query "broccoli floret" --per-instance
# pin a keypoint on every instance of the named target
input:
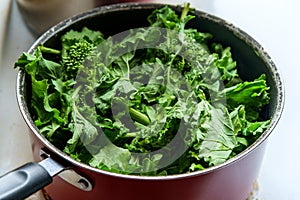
(76, 46)
(74, 58)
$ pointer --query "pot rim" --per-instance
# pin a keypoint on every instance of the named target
(20, 90)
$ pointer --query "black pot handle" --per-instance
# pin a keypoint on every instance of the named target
(28, 179)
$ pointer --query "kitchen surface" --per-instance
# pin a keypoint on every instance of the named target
(273, 23)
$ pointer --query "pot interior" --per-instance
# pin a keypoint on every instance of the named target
(251, 58)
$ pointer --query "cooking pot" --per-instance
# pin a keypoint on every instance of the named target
(231, 180)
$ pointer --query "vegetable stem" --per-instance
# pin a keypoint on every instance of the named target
(185, 10)
(49, 50)
(139, 117)
(131, 135)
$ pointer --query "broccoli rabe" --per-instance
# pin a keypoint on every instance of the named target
(160, 109)
(76, 47)
(74, 58)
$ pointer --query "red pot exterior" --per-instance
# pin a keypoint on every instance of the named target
(231, 182)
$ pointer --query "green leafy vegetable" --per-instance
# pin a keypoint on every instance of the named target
(126, 107)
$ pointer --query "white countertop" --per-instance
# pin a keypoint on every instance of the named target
(273, 23)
